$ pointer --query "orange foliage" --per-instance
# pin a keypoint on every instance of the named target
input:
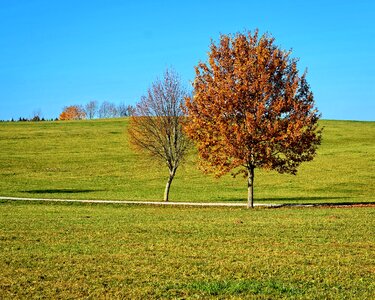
(73, 112)
(251, 109)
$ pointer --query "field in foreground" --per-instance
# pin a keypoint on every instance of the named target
(93, 160)
(136, 252)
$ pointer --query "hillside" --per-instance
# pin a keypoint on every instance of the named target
(93, 160)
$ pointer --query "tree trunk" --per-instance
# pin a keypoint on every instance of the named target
(250, 187)
(168, 185)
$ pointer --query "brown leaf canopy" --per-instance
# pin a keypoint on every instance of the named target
(251, 108)
(73, 112)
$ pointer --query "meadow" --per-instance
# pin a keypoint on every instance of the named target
(93, 160)
(71, 251)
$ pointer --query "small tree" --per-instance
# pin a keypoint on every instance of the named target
(91, 109)
(251, 109)
(36, 116)
(155, 126)
(107, 110)
(73, 112)
(124, 110)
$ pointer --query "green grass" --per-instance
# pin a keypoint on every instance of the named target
(93, 160)
(71, 251)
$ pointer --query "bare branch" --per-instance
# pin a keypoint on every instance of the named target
(155, 126)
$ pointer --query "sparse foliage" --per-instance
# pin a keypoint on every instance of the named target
(73, 112)
(251, 109)
(156, 127)
(124, 110)
(91, 109)
(36, 116)
(107, 110)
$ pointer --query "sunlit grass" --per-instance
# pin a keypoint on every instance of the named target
(93, 160)
(136, 252)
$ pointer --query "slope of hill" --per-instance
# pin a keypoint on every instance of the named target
(93, 160)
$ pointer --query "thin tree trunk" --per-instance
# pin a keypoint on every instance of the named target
(250, 187)
(168, 185)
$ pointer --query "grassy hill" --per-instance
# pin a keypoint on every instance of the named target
(93, 160)
(64, 250)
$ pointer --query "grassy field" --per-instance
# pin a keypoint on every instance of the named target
(71, 251)
(93, 160)
(137, 252)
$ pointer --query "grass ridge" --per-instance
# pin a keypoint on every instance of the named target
(93, 160)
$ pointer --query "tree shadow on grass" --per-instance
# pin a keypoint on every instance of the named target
(60, 191)
(317, 200)
(306, 199)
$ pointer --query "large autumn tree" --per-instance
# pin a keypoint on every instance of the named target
(155, 125)
(251, 109)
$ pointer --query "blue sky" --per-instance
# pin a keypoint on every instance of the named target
(59, 53)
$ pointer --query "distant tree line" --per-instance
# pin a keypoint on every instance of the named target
(33, 119)
(36, 117)
(93, 110)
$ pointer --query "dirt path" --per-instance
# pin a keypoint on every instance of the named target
(208, 204)
(215, 204)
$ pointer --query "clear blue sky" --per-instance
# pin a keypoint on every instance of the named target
(58, 53)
